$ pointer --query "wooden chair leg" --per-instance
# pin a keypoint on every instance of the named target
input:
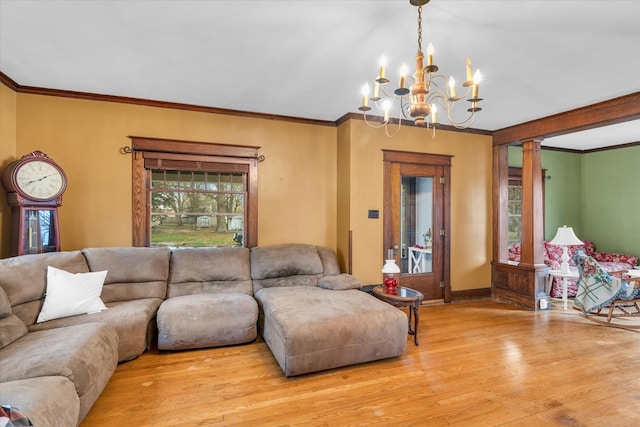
(611, 308)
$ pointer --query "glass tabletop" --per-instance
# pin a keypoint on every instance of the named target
(401, 292)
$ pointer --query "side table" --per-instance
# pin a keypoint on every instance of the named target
(404, 297)
(572, 274)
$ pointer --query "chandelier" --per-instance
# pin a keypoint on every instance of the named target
(422, 95)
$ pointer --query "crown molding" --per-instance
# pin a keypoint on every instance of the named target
(33, 90)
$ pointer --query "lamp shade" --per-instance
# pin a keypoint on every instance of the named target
(565, 237)
(390, 267)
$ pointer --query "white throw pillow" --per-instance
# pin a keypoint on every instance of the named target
(69, 294)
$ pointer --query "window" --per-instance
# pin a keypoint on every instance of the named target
(514, 208)
(188, 194)
(197, 208)
(514, 211)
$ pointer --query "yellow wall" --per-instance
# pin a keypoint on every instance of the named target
(296, 182)
(316, 184)
(7, 155)
(471, 231)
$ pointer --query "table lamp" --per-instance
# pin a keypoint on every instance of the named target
(565, 237)
(389, 269)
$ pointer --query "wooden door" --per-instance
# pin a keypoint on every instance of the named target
(416, 220)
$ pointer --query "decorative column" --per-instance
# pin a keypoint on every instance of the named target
(532, 250)
(521, 284)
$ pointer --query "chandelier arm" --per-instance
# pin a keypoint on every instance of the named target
(471, 119)
(431, 134)
(404, 108)
(448, 106)
(373, 124)
(459, 124)
(397, 129)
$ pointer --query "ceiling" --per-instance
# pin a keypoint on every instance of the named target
(309, 59)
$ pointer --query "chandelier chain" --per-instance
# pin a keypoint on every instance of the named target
(419, 28)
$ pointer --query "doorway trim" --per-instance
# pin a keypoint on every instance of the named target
(391, 157)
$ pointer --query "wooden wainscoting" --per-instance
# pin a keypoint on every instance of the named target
(522, 285)
(479, 363)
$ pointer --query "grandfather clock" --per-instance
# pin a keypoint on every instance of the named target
(34, 185)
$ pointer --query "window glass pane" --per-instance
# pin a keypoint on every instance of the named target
(192, 209)
(514, 212)
(212, 181)
(199, 180)
(515, 193)
(157, 179)
(171, 179)
(186, 180)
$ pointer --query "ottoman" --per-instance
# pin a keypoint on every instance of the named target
(206, 320)
(310, 329)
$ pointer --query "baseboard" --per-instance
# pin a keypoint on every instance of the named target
(470, 294)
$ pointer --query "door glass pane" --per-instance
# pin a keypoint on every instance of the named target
(416, 224)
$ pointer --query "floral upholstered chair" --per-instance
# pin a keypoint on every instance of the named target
(598, 288)
(553, 256)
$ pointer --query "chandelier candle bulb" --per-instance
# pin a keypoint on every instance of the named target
(469, 72)
(386, 106)
(434, 110)
(383, 63)
(365, 95)
(403, 75)
(376, 92)
(430, 54)
(476, 83)
(452, 87)
(402, 89)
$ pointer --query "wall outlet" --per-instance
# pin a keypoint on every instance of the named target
(374, 214)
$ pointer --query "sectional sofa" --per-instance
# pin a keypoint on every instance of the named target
(53, 366)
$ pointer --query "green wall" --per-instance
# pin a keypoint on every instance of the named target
(562, 192)
(611, 199)
(598, 194)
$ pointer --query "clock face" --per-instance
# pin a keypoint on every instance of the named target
(40, 180)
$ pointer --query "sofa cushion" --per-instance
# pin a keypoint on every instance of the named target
(133, 273)
(285, 260)
(5, 304)
(39, 398)
(134, 322)
(207, 320)
(330, 264)
(285, 265)
(86, 354)
(339, 282)
(26, 301)
(209, 270)
(629, 260)
(553, 253)
(11, 327)
(69, 294)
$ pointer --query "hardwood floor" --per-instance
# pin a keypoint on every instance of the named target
(479, 363)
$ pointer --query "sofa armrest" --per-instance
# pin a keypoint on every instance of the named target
(339, 282)
(632, 260)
